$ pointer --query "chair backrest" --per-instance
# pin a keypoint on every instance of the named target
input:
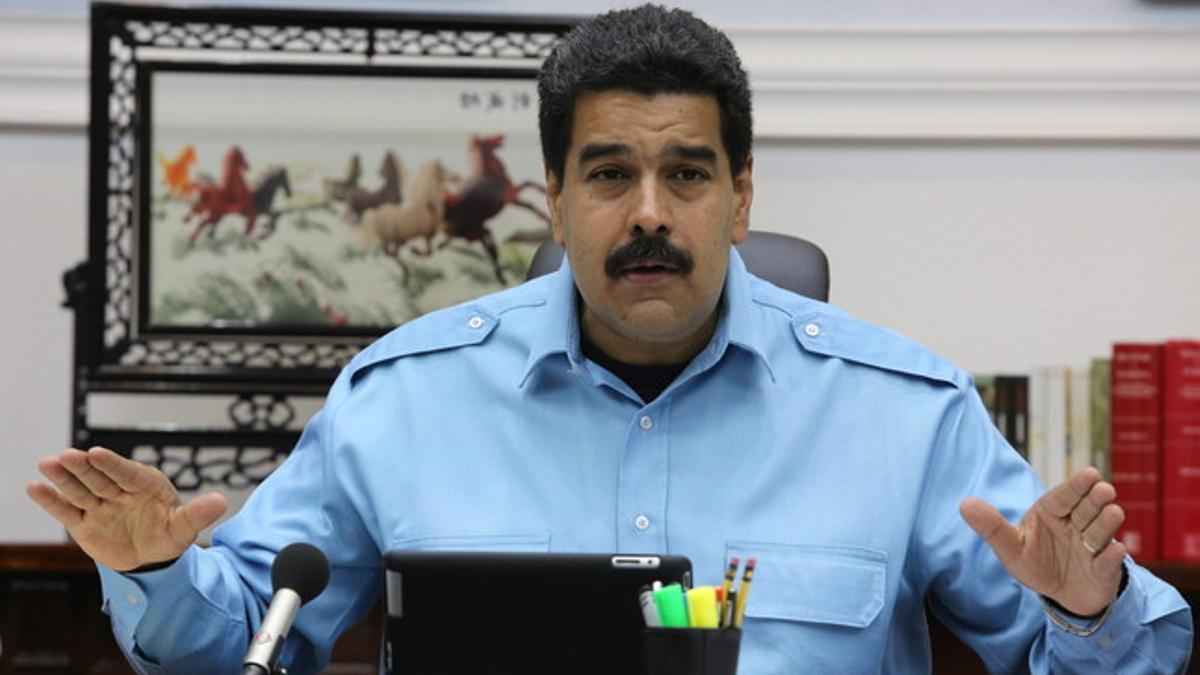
(789, 262)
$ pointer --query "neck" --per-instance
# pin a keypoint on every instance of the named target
(646, 351)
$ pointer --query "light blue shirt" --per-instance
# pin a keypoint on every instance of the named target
(836, 452)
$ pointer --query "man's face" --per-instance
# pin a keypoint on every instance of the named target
(647, 210)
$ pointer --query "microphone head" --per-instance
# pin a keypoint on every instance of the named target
(302, 568)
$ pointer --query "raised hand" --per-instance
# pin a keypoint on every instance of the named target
(1063, 547)
(122, 513)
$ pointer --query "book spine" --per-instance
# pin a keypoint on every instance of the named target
(1037, 424)
(1012, 411)
(1079, 428)
(1056, 457)
(1181, 451)
(1019, 388)
(1136, 444)
(1100, 380)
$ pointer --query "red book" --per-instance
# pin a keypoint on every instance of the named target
(1181, 451)
(1136, 439)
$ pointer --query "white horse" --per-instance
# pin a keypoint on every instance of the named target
(391, 226)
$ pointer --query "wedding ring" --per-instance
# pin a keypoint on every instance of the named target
(1089, 547)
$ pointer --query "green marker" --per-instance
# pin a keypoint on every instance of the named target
(672, 607)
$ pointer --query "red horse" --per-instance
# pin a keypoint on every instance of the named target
(231, 195)
(485, 193)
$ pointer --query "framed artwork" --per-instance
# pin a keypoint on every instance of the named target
(333, 201)
(272, 189)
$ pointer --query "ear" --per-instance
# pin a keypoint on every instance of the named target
(554, 188)
(743, 195)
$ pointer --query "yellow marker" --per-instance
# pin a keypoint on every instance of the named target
(743, 592)
(702, 607)
(726, 585)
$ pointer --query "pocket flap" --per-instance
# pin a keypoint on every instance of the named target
(507, 543)
(840, 585)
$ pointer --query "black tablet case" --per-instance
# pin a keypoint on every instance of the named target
(508, 613)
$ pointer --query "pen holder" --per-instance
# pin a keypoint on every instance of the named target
(691, 651)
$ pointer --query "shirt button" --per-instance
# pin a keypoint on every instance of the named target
(645, 423)
(1106, 641)
(132, 598)
(812, 330)
(475, 322)
(642, 523)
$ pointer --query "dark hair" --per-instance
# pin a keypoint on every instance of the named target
(646, 50)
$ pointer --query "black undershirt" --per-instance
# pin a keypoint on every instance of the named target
(648, 381)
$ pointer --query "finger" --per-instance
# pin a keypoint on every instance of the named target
(127, 474)
(1111, 558)
(1099, 534)
(1003, 537)
(53, 503)
(68, 485)
(1064, 497)
(1098, 497)
(196, 515)
(99, 484)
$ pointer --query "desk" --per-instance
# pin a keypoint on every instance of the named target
(51, 624)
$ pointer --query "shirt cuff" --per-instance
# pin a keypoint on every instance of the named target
(1105, 638)
(127, 595)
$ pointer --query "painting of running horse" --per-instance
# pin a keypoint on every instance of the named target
(485, 193)
(316, 219)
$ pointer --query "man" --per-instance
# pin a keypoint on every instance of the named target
(651, 396)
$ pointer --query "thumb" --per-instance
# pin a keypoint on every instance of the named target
(987, 522)
(203, 511)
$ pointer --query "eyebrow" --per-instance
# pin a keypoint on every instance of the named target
(700, 153)
(597, 150)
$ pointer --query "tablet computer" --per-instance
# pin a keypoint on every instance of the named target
(528, 613)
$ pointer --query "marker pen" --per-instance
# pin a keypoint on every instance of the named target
(702, 607)
(672, 610)
(649, 608)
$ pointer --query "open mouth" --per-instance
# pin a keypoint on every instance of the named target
(649, 268)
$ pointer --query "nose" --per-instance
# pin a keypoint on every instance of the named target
(651, 213)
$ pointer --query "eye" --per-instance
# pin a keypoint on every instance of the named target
(607, 173)
(690, 175)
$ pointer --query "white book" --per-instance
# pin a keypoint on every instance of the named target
(1079, 423)
(1037, 423)
(1056, 426)
(1048, 424)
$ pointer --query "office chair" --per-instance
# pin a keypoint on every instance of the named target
(789, 262)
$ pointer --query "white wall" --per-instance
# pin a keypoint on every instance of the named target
(42, 232)
(1010, 197)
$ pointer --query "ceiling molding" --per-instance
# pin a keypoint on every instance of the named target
(43, 71)
(835, 83)
(1085, 84)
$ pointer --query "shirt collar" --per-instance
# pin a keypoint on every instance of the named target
(559, 333)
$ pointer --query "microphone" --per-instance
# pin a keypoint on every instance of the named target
(299, 574)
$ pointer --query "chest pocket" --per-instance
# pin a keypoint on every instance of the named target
(836, 585)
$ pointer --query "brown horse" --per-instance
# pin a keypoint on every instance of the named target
(485, 193)
(231, 195)
(259, 201)
(360, 200)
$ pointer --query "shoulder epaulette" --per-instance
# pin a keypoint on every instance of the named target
(450, 328)
(834, 334)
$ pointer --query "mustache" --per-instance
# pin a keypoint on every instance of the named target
(650, 249)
